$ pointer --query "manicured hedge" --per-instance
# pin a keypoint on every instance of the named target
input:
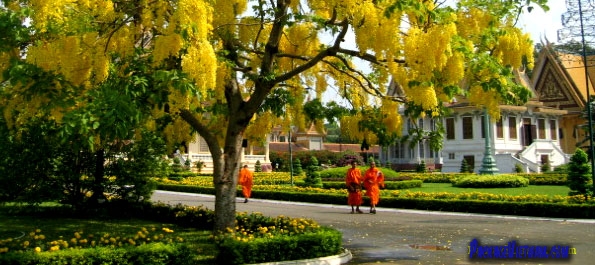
(540, 209)
(545, 179)
(281, 248)
(306, 240)
(495, 207)
(338, 173)
(490, 181)
(149, 254)
(390, 185)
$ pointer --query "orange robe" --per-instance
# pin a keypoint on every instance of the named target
(373, 180)
(354, 177)
(245, 180)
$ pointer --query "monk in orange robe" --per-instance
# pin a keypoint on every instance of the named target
(245, 179)
(354, 187)
(373, 180)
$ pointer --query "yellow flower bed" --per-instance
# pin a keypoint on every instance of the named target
(255, 225)
(260, 178)
(283, 177)
(481, 196)
(37, 242)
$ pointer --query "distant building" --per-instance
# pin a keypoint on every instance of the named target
(545, 130)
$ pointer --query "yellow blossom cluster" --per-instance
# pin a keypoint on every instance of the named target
(471, 22)
(392, 119)
(302, 40)
(513, 46)
(260, 178)
(37, 242)
(482, 196)
(256, 133)
(255, 225)
(478, 96)
(227, 12)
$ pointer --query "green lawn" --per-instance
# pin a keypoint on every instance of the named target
(40, 231)
(532, 189)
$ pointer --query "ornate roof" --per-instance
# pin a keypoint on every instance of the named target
(559, 79)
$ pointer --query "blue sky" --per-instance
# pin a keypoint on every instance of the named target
(542, 24)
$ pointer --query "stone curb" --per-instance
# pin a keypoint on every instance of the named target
(330, 260)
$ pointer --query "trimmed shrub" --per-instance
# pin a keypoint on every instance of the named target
(339, 173)
(464, 167)
(280, 248)
(389, 185)
(421, 167)
(150, 254)
(491, 181)
(518, 168)
(579, 174)
(257, 166)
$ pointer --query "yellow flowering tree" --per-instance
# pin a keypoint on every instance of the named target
(226, 69)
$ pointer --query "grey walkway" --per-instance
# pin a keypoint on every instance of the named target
(394, 236)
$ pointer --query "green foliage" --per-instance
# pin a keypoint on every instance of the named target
(421, 167)
(518, 168)
(389, 185)
(575, 207)
(490, 181)
(26, 163)
(297, 167)
(339, 173)
(545, 179)
(546, 167)
(134, 165)
(199, 165)
(257, 166)
(322, 243)
(312, 174)
(561, 169)
(36, 167)
(313, 161)
(579, 174)
(465, 167)
(176, 165)
(281, 159)
(151, 254)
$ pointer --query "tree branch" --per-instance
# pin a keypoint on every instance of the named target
(331, 51)
(203, 131)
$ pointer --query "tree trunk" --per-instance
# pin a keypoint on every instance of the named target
(225, 178)
(225, 164)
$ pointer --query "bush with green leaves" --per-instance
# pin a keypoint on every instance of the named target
(121, 169)
(518, 168)
(297, 167)
(579, 174)
(258, 238)
(546, 167)
(339, 173)
(421, 167)
(389, 185)
(490, 181)
(150, 254)
(312, 174)
(27, 163)
(465, 167)
(257, 166)
(280, 160)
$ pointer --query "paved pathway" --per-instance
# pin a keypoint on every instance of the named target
(394, 236)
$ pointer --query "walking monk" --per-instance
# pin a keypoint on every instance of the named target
(354, 187)
(245, 180)
(373, 180)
